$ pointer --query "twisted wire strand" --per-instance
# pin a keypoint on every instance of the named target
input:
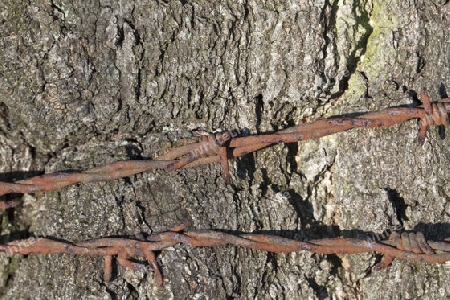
(220, 147)
(408, 246)
(435, 113)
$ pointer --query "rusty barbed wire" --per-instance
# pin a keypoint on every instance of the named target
(220, 147)
(407, 246)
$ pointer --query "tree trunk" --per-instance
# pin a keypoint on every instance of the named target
(90, 82)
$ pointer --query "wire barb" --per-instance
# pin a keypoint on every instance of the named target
(222, 146)
(436, 113)
(408, 246)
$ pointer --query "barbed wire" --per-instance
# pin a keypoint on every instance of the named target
(407, 246)
(222, 146)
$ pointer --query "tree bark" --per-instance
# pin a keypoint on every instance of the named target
(90, 82)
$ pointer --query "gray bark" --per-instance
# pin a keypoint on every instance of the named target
(87, 83)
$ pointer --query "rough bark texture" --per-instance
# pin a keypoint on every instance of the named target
(90, 82)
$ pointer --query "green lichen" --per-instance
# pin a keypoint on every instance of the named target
(10, 269)
(383, 22)
(14, 263)
(352, 30)
(4, 222)
(357, 86)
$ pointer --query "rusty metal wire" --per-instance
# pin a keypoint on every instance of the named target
(436, 113)
(408, 246)
(220, 147)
